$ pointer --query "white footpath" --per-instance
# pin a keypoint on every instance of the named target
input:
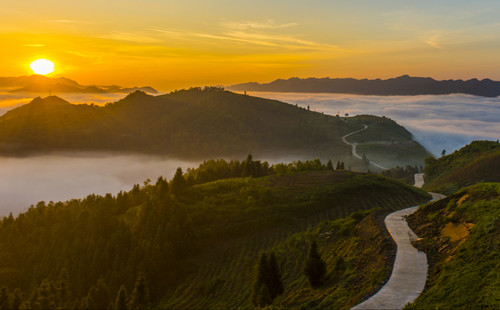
(409, 273)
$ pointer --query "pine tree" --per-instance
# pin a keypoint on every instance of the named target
(63, 291)
(268, 284)
(178, 183)
(45, 296)
(16, 299)
(261, 279)
(314, 268)
(121, 299)
(98, 296)
(4, 298)
(139, 299)
(329, 165)
(275, 282)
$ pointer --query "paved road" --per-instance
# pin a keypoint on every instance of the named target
(353, 145)
(419, 180)
(409, 273)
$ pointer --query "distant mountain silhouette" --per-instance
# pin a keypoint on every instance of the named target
(43, 84)
(196, 123)
(403, 85)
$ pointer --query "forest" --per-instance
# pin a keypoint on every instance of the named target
(148, 246)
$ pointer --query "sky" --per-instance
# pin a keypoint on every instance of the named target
(178, 44)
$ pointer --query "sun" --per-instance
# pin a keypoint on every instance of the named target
(42, 66)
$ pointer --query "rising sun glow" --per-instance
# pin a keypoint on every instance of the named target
(42, 66)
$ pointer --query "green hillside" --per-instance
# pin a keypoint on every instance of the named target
(188, 243)
(195, 123)
(461, 238)
(475, 163)
(387, 143)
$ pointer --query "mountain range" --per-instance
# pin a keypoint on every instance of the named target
(400, 86)
(199, 124)
(43, 84)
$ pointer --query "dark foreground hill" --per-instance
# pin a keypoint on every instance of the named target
(192, 244)
(403, 85)
(45, 85)
(461, 236)
(196, 123)
(474, 163)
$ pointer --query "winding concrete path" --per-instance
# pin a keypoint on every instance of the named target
(354, 145)
(409, 273)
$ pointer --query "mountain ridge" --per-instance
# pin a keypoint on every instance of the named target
(404, 85)
(43, 84)
(196, 123)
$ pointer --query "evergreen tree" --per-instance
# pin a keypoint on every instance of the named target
(329, 165)
(121, 299)
(261, 280)
(178, 183)
(314, 268)
(45, 298)
(338, 166)
(4, 298)
(139, 299)
(98, 296)
(268, 284)
(275, 282)
(16, 299)
(63, 291)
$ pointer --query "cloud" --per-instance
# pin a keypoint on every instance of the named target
(130, 37)
(269, 24)
(434, 41)
(437, 122)
(26, 181)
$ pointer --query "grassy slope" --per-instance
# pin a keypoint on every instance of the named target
(474, 163)
(225, 267)
(198, 124)
(461, 236)
(387, 143)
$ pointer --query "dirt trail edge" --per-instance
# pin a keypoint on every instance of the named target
(354, 145)
(409, 273)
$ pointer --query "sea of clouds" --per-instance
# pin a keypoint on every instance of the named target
(438, 122)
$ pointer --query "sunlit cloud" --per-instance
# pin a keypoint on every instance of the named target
(130, 36)
(290, 42)
(270, 24)
(434, 41)
(34, 45)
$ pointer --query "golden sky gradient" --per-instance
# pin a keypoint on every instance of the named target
(177, 44)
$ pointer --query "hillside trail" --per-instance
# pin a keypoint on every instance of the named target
(354, 145)
(409, 272)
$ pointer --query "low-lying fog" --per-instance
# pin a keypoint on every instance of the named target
(437, 122)
(25, 181)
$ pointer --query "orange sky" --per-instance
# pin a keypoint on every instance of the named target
(177, 44)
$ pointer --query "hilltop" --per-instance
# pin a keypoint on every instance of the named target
(474, 163)
(195, 243)
(43, 84)
(460, 235)
(401, 86)
(196, 123)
